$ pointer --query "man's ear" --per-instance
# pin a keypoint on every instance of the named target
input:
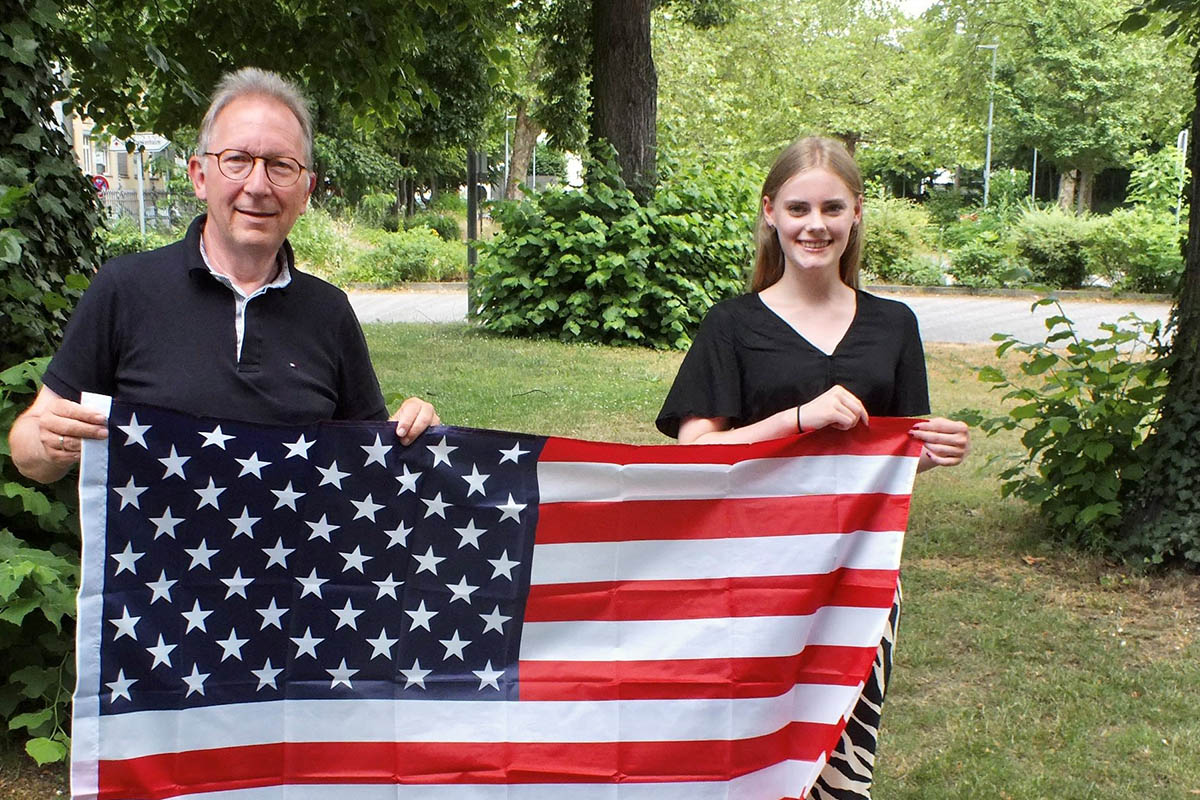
(196, 173)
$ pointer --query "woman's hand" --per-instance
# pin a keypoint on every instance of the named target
(946, 442)
(838, 407)
(412, 418)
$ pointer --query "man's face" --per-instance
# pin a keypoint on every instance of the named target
(250, 218)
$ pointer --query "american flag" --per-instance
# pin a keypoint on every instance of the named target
(320, 612)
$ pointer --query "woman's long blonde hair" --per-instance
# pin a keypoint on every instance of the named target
(807, 153)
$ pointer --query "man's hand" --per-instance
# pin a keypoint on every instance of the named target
(47, 438)
(412, 418)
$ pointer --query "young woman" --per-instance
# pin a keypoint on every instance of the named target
(808, 349)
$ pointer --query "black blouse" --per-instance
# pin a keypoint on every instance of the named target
(747, 363)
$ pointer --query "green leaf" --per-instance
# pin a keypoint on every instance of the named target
(45, 751)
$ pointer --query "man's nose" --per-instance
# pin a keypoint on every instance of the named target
(257, 182)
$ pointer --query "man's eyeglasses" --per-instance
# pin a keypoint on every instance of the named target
(237, 165)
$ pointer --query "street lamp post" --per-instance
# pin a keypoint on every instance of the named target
(987, 162)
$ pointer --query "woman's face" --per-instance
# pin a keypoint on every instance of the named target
(813, 214)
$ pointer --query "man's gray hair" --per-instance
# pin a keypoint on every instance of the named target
(251, 81)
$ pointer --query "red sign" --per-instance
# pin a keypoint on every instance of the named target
(101, 183)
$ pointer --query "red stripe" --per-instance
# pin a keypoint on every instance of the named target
(428, 763)
(639, 520)
(763, 596)
(694, 678)
(886, 436)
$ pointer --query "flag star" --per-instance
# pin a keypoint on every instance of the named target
(462, 590)
(232, 645)
(420, 617)
(267, 675)
(435, 505)
(488, 676)
(341, 675)
(513, 454)
(387, 587)
(511, 510)
(355, 559)
(416, 675)
(195, 618)
(237, 584)
(126, 560)
(428, 562)
(165, 524)
(195, 681)
(454, 646)
(347, 617)
(366, 508)
(120, 687)
(271, 615)
(161, 588)
(381, 645)
(252, 466)
(306, 643)
(494, 621)
(174, 464)
(312, 584)
(209, 495)
(135, 433)
(332, 475)
(129, 493)
(161, 653)
(216, 438)
(287, 496)
(244, 525)
(298, 448)
(399, 535)
(470, 535)
(408, 480)
(475, 481)
(376, 452)
(441, 452)
(125, 625)
(200, 555)
(503, 566)
(321, 528)
(278, 554)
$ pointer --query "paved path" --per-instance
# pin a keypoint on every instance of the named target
(943, 317)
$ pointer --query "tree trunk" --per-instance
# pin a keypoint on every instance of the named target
(1084, 191)
(625, 88)
(524, 140)
(1067, 182)
(1162, 511)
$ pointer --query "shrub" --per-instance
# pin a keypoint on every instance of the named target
(449, 203)
(982, 263)
(1054, 245)
(945, 206)
(1008, 189)
(444, 225)
(1083, 412)
(413, 255)
(320, 243)
(1137, 249)
(895, 238)
(597, 264)
(377, 211)
(123, 236)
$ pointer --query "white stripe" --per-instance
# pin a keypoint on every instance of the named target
(565, 481)
(93, 512)
(147, 732)
(696, 559)
(785, 779)
(732, 637)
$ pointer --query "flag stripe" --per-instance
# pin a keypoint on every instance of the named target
(719, 518)
(770, 595)
(169, 774)
(699, 678)
(704, 559)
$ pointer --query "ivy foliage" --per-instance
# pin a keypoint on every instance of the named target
(597, 264)
(48, 210)
(1083, 410)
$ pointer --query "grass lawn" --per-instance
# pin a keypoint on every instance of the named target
(1023, 670)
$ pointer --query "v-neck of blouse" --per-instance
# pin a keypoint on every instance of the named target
(805, 339)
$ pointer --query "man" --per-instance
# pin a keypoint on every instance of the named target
(221, 323)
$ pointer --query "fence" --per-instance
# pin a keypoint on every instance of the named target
(163, 209)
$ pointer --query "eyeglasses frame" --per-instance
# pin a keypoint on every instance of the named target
(254, 160)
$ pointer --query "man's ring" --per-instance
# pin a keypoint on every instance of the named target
(62, 442)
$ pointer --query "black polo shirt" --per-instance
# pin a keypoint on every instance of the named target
(158, 328)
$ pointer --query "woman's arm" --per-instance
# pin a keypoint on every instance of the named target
(837, 407)
(946, 442)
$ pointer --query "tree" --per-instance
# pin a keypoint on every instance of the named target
(1162, 520)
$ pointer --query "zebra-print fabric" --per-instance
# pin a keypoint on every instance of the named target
(851, 767)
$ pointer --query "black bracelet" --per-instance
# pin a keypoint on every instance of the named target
(799, 428)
